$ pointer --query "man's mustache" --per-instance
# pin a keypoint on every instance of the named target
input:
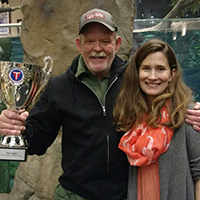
(97, 54)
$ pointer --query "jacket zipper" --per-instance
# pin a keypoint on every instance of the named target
(108, 137)
(104, 114)
(102, 104)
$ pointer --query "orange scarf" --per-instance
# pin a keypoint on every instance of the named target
(143, 146)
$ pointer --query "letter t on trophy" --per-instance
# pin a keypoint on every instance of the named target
(20, 84)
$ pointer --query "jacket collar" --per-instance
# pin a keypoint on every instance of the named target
(118, 66)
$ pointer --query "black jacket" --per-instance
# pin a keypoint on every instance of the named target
(93, 166)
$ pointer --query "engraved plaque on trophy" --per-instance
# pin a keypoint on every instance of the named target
(20, 84)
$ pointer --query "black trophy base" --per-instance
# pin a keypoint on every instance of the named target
(13, 154)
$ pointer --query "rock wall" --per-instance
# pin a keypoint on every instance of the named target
(49, 27)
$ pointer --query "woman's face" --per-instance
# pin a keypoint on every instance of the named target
(155, 75)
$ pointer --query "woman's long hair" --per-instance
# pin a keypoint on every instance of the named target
(131, 103)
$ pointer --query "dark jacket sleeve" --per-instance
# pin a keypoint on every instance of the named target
(42, 125)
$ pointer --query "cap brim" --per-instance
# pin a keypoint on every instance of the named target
(95, 21)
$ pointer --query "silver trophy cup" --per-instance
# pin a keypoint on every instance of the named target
(20, 84)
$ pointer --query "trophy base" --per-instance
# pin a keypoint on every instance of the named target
(13, 154)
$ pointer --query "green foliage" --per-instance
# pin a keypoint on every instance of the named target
(189, 10)
(4, 177)
(8, 169)
(13, 167)
(5, 168)
(2, 106)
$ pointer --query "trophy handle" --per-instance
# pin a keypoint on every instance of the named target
(47, 70)
(46, 73)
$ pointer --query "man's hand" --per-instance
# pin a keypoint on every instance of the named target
(12, 122)
(193, 116)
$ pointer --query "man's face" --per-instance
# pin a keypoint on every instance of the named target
(98, 46)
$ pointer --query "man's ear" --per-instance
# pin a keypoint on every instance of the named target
(78, 44)
(118, 43)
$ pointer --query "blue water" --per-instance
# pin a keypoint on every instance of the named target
(17, 50)
(11, 49)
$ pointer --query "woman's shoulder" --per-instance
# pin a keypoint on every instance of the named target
(192, 137)
(186, 128)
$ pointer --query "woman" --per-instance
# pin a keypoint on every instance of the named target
(163, 151)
